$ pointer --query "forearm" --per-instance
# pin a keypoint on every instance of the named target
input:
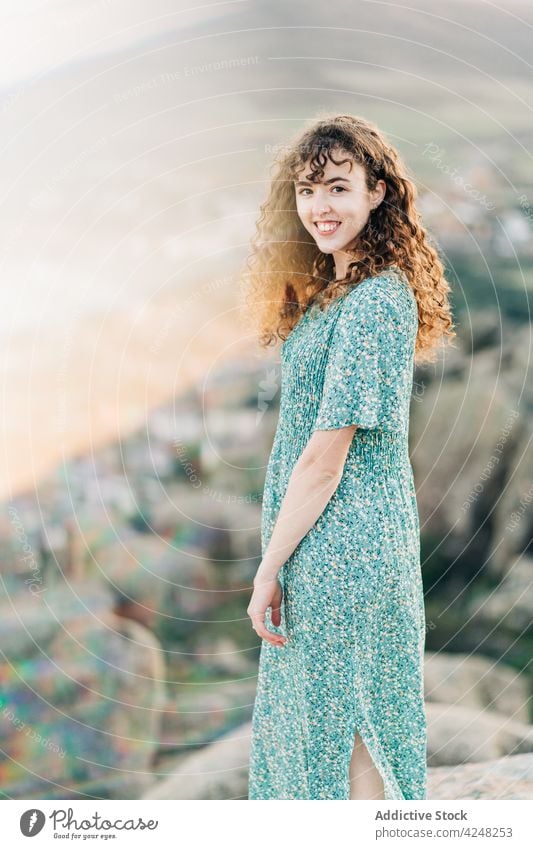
(308, 492)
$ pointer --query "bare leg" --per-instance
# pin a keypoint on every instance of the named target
(365, 779)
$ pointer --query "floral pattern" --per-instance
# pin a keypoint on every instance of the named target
(353, 606)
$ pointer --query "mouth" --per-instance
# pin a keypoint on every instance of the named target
(327, 228)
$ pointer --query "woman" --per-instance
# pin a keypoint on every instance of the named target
(342, 272)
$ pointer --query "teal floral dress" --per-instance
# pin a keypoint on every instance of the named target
(353, 605)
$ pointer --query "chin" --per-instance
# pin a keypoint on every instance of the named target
(330, 248)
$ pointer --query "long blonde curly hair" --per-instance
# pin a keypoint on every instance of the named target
(285, 271)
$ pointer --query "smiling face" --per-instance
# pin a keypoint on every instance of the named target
(335, 210)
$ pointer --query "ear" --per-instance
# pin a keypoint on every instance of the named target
(379, 192)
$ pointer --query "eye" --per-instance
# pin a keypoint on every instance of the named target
(339, 187)
(303, 190)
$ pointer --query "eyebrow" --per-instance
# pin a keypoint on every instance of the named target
(326, 182)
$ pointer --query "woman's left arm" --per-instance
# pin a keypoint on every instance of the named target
(315, 477)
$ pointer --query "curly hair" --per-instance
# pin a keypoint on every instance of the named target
(285, 271)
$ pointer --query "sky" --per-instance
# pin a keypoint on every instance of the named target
(38, 36)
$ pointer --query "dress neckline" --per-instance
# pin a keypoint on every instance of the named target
(314, 311)
(385, 273)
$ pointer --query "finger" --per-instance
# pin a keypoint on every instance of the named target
(276, 616)
(269, 636)
(276, 603)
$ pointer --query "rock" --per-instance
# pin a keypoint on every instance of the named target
(219, 510)
(463, 468)
(452, 365)
(28, 624)
(157, 584)
(218, 771)
(225, 524)
(519, 373)
(459, 735)
(202, 712)
(510, 605)
(504, 778)
(484, 330)
(513, 512)
(223, 656)
(467, 680)
(83, 720)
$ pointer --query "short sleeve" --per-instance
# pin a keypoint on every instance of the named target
(362, 368)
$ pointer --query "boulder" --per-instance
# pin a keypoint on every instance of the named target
(464, 441)
(30, 618)
(158, 585)
(513, 512)
(504, 778)
(474, 681)
(509, 606)
(483, 331)
(82, 720)
(459, 735)
(201, 712)
(220, 771)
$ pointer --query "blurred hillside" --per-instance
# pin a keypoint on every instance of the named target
(137, 148)
(126, 575)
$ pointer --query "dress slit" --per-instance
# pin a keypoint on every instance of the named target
(390, 785)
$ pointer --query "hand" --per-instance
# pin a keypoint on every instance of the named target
(267, 593)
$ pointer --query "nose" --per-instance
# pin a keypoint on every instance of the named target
(321, 204)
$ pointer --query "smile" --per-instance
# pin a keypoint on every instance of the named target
(326, 228)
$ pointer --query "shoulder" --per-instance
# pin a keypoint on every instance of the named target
(383, 304)
(388, 293)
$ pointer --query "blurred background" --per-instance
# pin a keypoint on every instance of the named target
(138, 411)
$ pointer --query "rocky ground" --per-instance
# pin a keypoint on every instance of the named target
(128, 667)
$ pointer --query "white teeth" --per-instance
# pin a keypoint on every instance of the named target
(327, 226)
